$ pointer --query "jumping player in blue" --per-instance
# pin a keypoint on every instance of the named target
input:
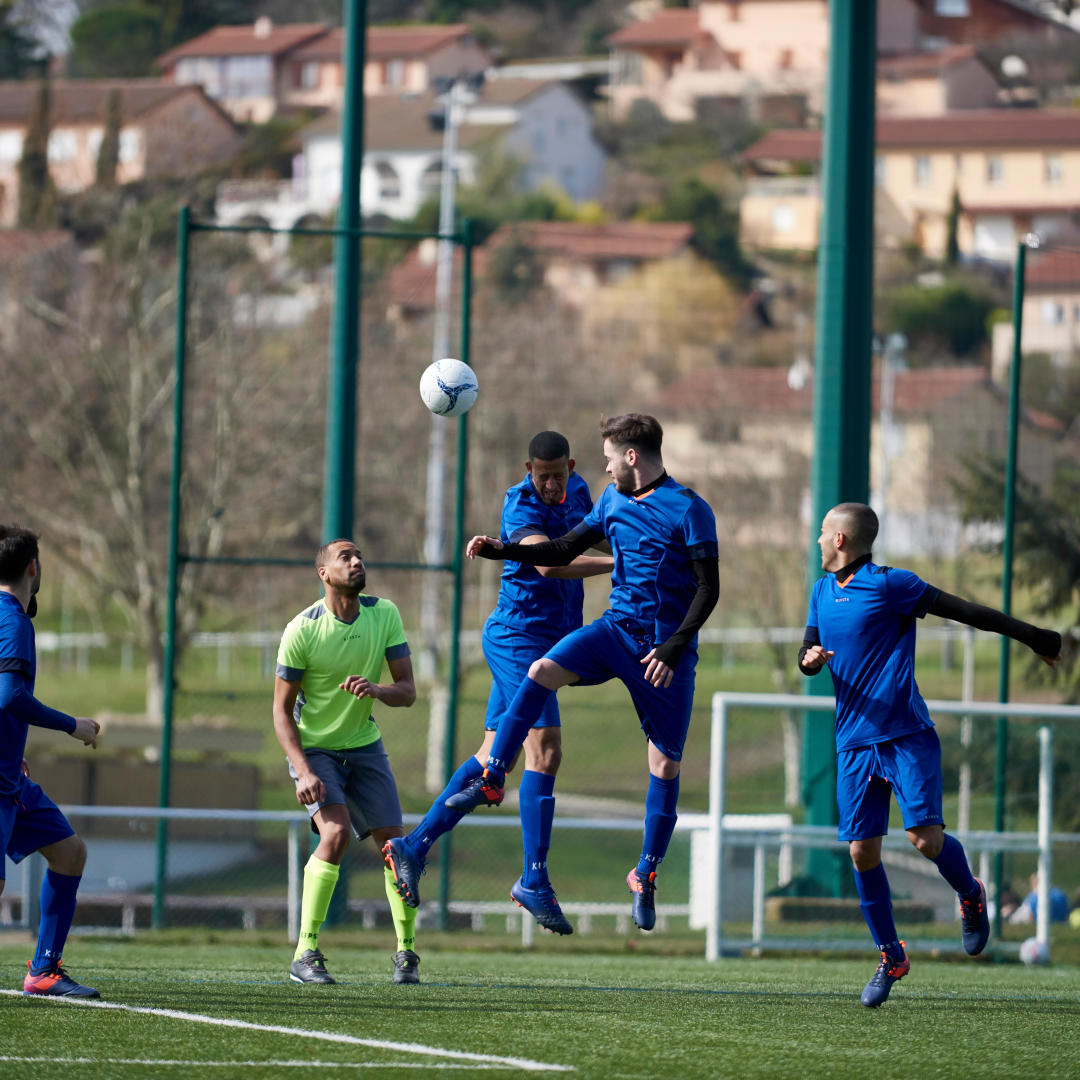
(664, 585)
(29, 820)
(534, 610)
(862, 626)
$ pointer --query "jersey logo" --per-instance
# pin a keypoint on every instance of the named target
(841, 599)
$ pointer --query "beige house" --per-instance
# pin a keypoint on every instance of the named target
(1051, 312)
(399, 60)
(1015, 171)
(745, 435)
(754, 50)
(931, 83)
(167, 130)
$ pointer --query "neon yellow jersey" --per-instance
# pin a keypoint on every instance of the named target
(319, 651)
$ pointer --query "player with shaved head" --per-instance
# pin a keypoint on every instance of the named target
(862, 627)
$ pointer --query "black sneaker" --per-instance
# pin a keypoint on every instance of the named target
(881, 982)
(55, 982)
(405, 966)
(975, 922)
(643, 890)
(541, 904)
(480, 792)
(405, 867)
(310, 967)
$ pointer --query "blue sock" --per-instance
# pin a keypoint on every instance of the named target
(57, 910)
(660, 802)
(514, 725)
(953, 866)
(876, 903)
(537, 812)
(440, 818)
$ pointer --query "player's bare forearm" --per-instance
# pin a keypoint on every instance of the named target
(583, 566)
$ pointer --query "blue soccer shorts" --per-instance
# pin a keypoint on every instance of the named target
(866, 776)
(509, 655)
(30, 821)
(612, 648)
(361, 780)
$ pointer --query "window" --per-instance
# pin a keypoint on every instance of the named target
(735, 60)
(248, 77)
(389, 181)
(995, 169)
(958, 165)
(395, 73)
(879, 171)
(63, 146)
(783, 219)
(130, 145)
(431, 179)
(786, 60)
(93, 142)
(952, 9)
(309, 75)
(11, 144)
(628, 68)
(1053, 169)
(1053, 313)
(922, 170)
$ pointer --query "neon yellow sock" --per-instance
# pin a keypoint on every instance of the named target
(404, 916)
(319, 881)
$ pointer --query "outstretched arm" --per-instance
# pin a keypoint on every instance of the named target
(560, 552)
(582, 567)
(1045, 643)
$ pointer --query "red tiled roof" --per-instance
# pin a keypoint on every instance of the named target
(1050, 267)
(669, 26)
(386, 42)
(914, 65)
(973, 127)
(82, 101)
(244, 41)
(16, 244)
(615, 240)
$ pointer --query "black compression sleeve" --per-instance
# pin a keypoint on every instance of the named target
(1043, 642)
(707, 575)
(559, 552)
(810, 638)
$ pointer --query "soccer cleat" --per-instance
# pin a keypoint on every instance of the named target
(643, 891)
(482, 791)
(975, 922)
(541, 904)
(876, 991)
(310, 967)
(406, 868)
(55, 982)
(405, 964)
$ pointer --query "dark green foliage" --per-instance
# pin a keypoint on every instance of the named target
(1050, 386)
(116, 42)
(109, 153)
(37, 197)
(950, 318)
(952, 224)
(18, 50)
(267, 149)
(515, 271)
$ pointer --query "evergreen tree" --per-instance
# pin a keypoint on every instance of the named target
(109, 153)
(952, 225)
(37, 202)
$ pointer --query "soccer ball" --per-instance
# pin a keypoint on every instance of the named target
(1033, 951)
(448, 387)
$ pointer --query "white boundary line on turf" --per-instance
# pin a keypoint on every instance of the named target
(7, 1058)
(325, 1036)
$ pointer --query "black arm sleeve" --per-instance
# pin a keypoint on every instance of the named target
(707, 575)
(1043, 642)
(810, 638)
(15, 699)
(559, 552)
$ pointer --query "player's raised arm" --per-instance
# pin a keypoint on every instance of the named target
(1046, 644)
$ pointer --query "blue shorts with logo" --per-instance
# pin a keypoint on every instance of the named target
(866, 776)
(612, 648)
(29, 821)
(509, 655)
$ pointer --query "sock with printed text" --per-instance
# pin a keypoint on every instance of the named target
(404, 916)
(875, 900)
(319, 880)
(661, 801)
(537, 804)
(57, 910)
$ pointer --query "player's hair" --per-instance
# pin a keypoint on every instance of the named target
(637, 430)
(322, 556)
(18, 546)
(858, 522)
(548, 446)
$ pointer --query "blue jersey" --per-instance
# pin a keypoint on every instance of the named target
(18, 656)
(529, 602)
(654, 537)
(868, 622)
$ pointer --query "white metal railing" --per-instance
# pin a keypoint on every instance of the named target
(819, 836)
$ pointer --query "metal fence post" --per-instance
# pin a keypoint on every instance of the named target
(717, 768)
(1046, 824)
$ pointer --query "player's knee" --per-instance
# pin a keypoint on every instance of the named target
(334, 839)
(928, 843)
(864, 856)
(69, 858)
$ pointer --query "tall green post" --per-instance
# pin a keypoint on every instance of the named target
(338, 473)
(840, 470)
(168, 673)
(1002, 750)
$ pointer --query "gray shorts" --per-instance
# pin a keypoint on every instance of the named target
(362, 781)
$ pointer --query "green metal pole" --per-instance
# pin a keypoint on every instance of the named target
(169, 661)
(457, 561)
(1001, 756)
(338, 473)
(840, 470)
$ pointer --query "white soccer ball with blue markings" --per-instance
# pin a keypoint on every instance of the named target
(448, 387)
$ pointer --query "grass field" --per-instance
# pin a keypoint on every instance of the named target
(226, 1009)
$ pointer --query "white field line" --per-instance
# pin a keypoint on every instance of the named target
(325, 1036)
(5, 1058)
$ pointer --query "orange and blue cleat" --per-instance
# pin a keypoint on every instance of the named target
(54, 981)
(890, 970)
